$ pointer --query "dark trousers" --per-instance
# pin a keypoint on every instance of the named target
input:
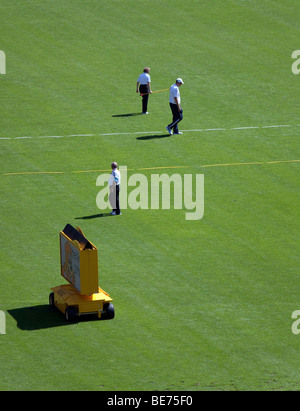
(114, 198)
(177, 117)
(144, 89)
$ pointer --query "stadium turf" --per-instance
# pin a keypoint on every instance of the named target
(199, 305)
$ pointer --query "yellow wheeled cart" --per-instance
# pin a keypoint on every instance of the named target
(79, 266)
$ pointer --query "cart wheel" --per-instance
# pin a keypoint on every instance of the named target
(51, 299)
(70, 314)
(109, 311)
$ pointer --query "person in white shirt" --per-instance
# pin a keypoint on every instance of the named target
(143, 85)
(114, 189)
(174, 100)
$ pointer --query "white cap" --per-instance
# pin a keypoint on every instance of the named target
(179, 80)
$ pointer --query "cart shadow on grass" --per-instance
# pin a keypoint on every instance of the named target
(37, 317)
(43, 316)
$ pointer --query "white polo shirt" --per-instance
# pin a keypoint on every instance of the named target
(174, 92)
(114, 177)
(144, 78)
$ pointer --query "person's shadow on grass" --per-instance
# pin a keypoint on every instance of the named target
(153, 136)
(90, 217)
(127, 115)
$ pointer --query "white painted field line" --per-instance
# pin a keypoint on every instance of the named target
(150, 132)
(50, 137)
(206, 129)
(147, 132)
(214, 129)
(278, 126)
(112, 134)
(243, 128)
(80, 135)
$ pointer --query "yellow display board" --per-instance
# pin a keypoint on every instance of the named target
(79, 261)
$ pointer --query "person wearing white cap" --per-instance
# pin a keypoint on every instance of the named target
(174, 100)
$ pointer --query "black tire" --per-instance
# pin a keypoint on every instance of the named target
(70, 314)
(51, 299)
(109, 311)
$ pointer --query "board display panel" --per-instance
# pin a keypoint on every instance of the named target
(79, 260)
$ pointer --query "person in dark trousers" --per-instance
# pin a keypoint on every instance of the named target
(114, 189)
(143, 86)
(175, 106)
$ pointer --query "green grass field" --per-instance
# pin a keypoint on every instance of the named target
(199, 305)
